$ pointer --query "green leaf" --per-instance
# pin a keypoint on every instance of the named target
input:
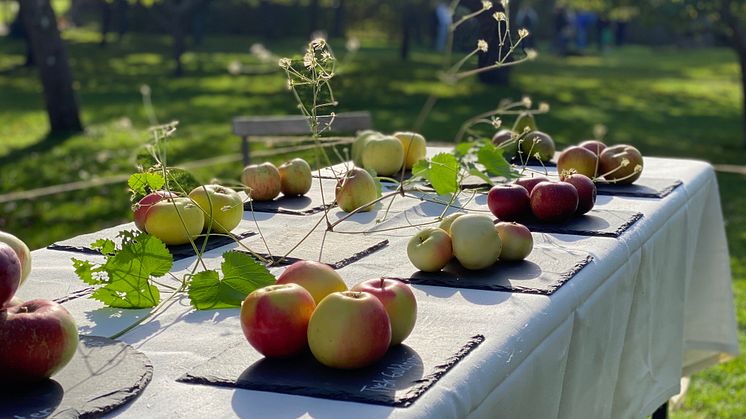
(105, 246)
(84, 269)
(462, 149)
(242, 274)
(493, 161)
(444, 171)
(144, 183)
(478, 173)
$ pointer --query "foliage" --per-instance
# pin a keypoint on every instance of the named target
(242, 274)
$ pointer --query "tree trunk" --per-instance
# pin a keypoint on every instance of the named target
(54, 69)
(105, 21)
(405, 34)
(742, 58)
(338, 30)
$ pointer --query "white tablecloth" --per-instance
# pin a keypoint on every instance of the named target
(613, 342)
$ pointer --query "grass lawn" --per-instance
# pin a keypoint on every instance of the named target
(666, 102)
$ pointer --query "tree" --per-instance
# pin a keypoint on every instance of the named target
(49, 54)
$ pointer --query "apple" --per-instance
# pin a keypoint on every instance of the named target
(537, 142)
(505, 139)
(317, 278)
(274, 319)
(508, 202)
(524, 120)
(554, 201)
(530, 182)
(37, 339)
(475, 241)
(143, 206)
(295, 177)
(359, 144)
(620, 164)
(516, 239)
(414, 147)
(349, 330)
(398, 300)
(222, 207)
(383, 155)
(10, 273)
(165, 221)
(263, 181)
(579, 159)
(356, 189)
(430, 249)
(597, 147)
(22, 251)
(445, 223)
(586, 191)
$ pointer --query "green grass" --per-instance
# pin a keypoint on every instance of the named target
(666, 102)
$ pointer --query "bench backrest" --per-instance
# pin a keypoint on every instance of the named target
(247, 126)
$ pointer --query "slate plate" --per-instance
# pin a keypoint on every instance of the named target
(405, 373)
(339, 249)
(82, 243)
(103, 375)
(642, 188)
(544, 271)
(596, 223)
(310, 203)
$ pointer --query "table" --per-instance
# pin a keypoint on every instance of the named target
(655, 305)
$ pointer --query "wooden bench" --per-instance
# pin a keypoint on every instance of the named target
(250, 126)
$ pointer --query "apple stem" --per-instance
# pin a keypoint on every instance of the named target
(382, 282)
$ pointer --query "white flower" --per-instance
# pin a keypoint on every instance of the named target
(234, 67)
(486, 5)
(482, 45)
(500, 16)
(505, 4)
(531, 54)
(526, 101)
(284, 63)
(352, 44)
(326, 56)
(496, 122)
(638, 168)
(523, 32)
(309, 59)
(318, 43)
(290, 84)
(625, 162)
(543, 107)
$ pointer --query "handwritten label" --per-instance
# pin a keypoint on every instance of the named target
(387, 382)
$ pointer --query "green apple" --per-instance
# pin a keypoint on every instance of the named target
(383, 155)
(359, 144)
(517, 241)
(295, 177)
(21, 250)
(506, 141)
(579, 159)
(537, 142)
(349, 330)
(476, 243)
(415, 148)
(399, 302)
(524, 120)
(620, 164)
(222, 207)
(445, 223)
(430, 249)
(317, 278)
(262, 180)
(165, 220)
(356, 189)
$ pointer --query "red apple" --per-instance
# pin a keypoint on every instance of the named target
(143, 206)
(586, 191)
(530, 182)
(295, 177)
(517, 241)
(508, 202)
(597, 147)
(317, 278)
(262, 180)
(22, 251)
(554, 201)
(10, 273)
(275, 319)
(620, 164)
(399, 302)
(37, 339)
(349, 330)
(430, 249)
(579, 159)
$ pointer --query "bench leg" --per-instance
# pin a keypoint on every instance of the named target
(245, 150)
(662, 412)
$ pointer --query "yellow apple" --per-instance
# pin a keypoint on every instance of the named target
(165, 220)
(317, 278)
(356, 189)
(476, 243)
(359, 144)
(383, 155)
(223, 204)
(430, 249)
(295, 177)
(414, 147)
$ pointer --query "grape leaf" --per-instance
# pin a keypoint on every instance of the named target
(493, 161)
(124, 279)
(441, 171)
(480, 174)
(242, 274)
(144, 183)
(105, 246)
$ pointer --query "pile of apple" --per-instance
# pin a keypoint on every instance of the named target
(473, 239)
(178, 219)
(38, 337)
(265, 181)
(620, 163)
(387, 154)
(311, 307)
